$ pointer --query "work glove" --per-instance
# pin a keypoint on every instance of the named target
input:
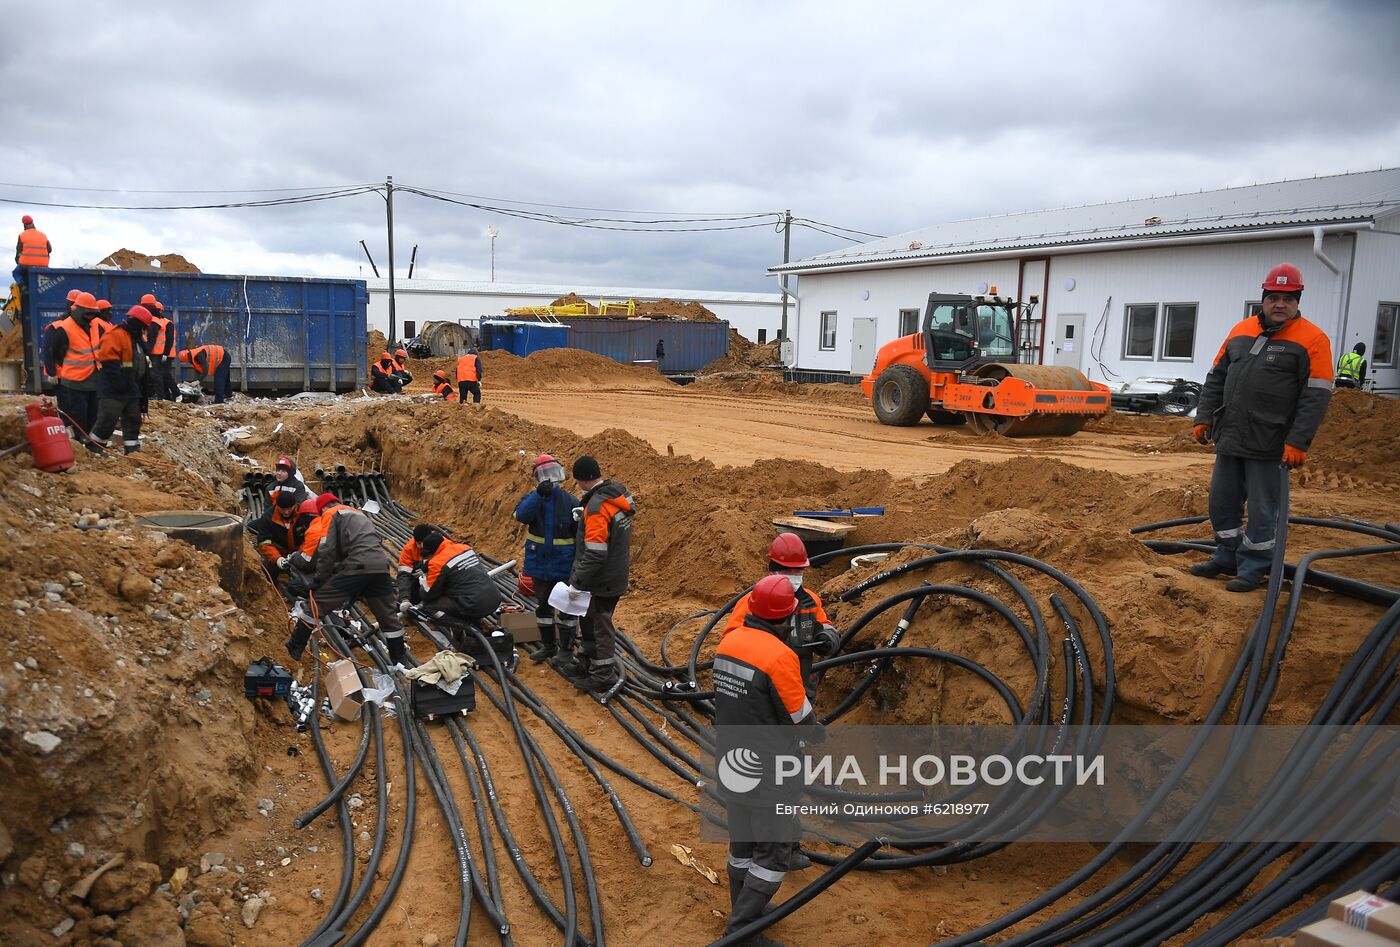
(578, 513)
(545, 488)
(1200, 433)
(404, 606)
(1293, 457)
(526, 585)
(814, 734)
(284, 562)
(145, 406)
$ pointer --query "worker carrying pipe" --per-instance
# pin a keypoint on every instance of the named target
(1262, 402)
(761, 711)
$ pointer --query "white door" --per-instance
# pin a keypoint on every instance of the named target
(1069, 340)
(863, 345)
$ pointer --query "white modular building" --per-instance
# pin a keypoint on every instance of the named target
(1137, 288)
(756, 316)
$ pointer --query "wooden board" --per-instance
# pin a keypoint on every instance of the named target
(823, 527)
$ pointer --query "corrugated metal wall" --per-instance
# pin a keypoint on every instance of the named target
(689, 345)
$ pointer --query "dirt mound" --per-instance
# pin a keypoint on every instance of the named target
(567, 368)
(1117, 422)
(1361, 435)
(125, 259)
(770, 384)
(12, 343)
(674, 309)
(744, 355)
(574, 299)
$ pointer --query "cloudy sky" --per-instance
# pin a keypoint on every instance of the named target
(882, 117)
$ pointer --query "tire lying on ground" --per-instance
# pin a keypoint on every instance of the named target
(900, 396)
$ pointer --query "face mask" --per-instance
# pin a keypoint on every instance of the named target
(796, 581)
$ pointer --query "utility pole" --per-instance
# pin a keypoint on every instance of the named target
(491, 232)
(389, 208)
(783, 280)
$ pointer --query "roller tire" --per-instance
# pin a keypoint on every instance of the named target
(900, 396)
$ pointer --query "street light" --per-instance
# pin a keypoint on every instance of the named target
(491, 232)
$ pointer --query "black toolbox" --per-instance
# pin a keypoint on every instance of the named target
(428, 700)
(266, 679)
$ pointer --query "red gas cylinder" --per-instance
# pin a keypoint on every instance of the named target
(48, 438)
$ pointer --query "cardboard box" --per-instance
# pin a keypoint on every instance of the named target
(343, 689)
(1334, 933)
(521, 625)
(1365, 911)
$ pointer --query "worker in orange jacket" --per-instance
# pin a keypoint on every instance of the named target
(401, 367)
(70, 356)
(761, 711)
(469, 376)
(123, 382)
(442, 387)
(278, 535)
(209, 361)
(160, 344)
(31, 249)
(382, 376)
(811, 633)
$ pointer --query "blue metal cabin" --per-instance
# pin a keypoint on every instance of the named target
(282, 333)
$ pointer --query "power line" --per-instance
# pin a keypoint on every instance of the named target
(602, 210)
(602, 223)
(877, 236)
(231, 190)
(272, 202)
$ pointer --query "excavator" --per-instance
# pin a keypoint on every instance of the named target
(961, 368)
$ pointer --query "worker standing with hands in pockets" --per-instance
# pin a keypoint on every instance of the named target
(1262, 402)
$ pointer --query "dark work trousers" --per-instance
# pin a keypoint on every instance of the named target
(555, 626)
(222, 389)
(1235, 483)
(375, 589)
(760, 843)
(80, 408)
(596, 628)
(469, 387)
(112, 410)
(165, 378)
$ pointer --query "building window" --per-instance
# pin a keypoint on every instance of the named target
(762, 336)
(828, 339)
(908, 321)
(1253, 309)
(1140, 331)
(1179, 332)
(410, 329)
(1387, 317)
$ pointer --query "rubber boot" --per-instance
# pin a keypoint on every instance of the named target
(601, 676)
(736, 884)
(545, 651)
(398, 651)
(296, 644)
(753, 897)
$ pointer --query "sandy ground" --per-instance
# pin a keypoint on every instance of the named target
(178, 773)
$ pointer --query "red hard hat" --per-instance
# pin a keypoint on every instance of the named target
(104, 304)
(1284, 278)
(139, 313)
(772, 598)
(85, 301)
(401, 353)
(308, 506)
(147, 299)
(26, 220)
(74, 294)
(787, 550)
(385, 357)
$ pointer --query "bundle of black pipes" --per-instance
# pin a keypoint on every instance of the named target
(663, 705)
(479, 876)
